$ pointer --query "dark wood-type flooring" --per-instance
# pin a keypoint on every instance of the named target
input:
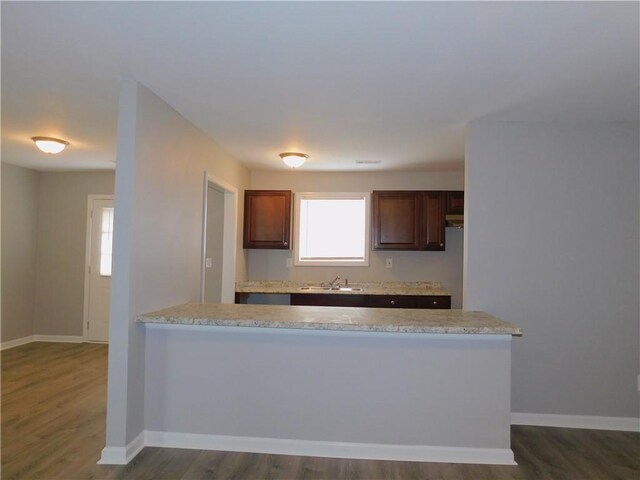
(53, 427)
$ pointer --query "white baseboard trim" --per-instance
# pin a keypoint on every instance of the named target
(372, 451)
(16, 342)
(122, 455)
(624, 424)
(41, 338)
(58, 338)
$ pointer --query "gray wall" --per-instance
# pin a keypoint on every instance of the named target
(553, 246)
(329, 386)
(444, 267)
(19, 226)
(161, 162)
(62, 226)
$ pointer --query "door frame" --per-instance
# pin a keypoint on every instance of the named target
(229, 238)
(87, 260)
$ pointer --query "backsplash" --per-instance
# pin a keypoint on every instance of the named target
(442, 267)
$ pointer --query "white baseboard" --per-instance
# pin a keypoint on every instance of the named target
(372, 451)
(122, 455)
(41, 338)
(625, 424)
(16, 342)
(58, 338)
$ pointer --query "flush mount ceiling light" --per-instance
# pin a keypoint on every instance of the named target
(293, 159)
(50, 145)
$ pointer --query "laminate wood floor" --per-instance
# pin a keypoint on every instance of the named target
(53, 427)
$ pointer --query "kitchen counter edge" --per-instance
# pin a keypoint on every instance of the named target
(360, 288)
(333, 318)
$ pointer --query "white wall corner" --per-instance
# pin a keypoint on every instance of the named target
(623, 424)
(122, 455)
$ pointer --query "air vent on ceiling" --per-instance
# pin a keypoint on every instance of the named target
(367, 162)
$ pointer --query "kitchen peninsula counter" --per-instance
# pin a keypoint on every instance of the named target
(375, 383)
(333, 318)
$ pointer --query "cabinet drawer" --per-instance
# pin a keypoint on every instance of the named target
(435, 302)
(327, 300)
(392, 301)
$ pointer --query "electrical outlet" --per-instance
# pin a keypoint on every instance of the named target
(389, 263)
(289, 263)
(208, 263)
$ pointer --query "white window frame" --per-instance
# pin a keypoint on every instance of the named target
(299, 196)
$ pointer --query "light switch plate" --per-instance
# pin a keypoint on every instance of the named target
(208, 262)
(389, 263)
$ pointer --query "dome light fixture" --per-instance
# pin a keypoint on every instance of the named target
(50, 145)
(293, 159)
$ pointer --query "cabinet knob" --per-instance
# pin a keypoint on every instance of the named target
(393, 302)
(442, 244)
(435, 302)
(285, 244)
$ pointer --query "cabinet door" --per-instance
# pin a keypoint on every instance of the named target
(435, 302)
(455, 203)
(267, 219)
(434, 221)
(396, 220)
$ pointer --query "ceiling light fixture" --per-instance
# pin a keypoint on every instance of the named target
(293, 159)
(50, 145)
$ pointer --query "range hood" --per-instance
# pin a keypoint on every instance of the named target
(455, 221)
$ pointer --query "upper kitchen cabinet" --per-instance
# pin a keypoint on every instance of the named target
(455, 203)
(409, 220)
(434, 222)
(396, 220)
(267, 219)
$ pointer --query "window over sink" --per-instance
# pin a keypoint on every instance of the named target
(332, 229)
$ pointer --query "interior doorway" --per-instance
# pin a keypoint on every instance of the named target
(219, 225)
(98, 255)
(213, 249)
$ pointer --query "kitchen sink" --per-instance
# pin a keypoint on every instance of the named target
(330, 289)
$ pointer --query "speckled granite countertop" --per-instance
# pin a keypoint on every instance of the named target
(364, 288)
(333, 318)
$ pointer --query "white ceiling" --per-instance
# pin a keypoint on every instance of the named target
(343, 82)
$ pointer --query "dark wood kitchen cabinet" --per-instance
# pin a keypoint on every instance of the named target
(267, 219)
(433, 208)
(376, 301)
(397, 220)
(408, 220)
(455, 203)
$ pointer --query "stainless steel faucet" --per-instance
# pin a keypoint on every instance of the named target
(332, 283)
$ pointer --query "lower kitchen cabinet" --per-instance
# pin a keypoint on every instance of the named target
(378, 301)
(328, 300)
(434, 302)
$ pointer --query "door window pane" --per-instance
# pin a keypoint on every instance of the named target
(106, 241)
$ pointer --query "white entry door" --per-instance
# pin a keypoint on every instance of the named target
(99, 269)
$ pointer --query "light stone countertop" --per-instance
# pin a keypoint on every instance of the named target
(333, 318)
(366, 288)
